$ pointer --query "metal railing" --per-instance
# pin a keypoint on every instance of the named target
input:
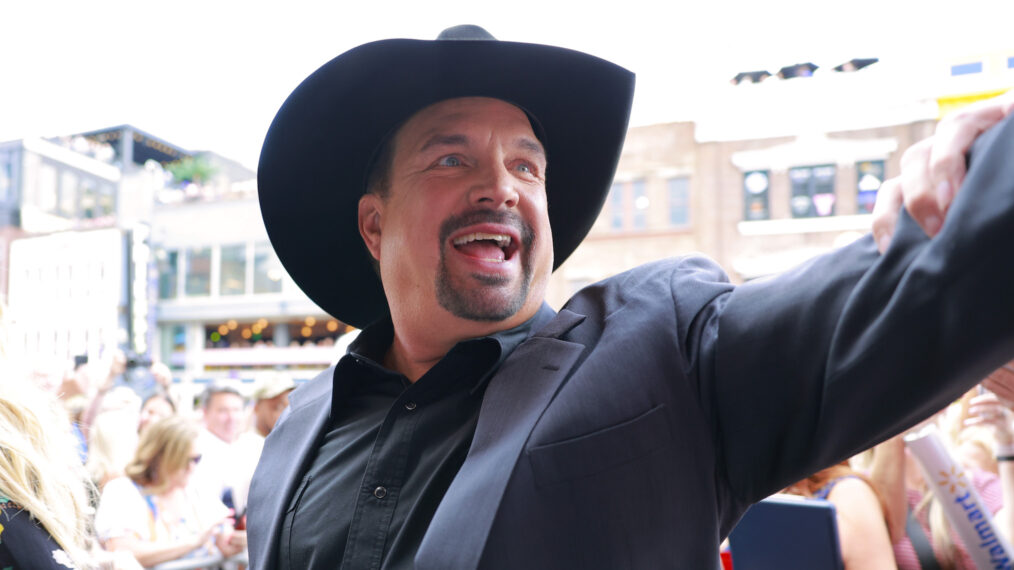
(215, 561)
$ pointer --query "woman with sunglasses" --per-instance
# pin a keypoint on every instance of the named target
(153, 512)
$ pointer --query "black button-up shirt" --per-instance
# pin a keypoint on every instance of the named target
(390, 452)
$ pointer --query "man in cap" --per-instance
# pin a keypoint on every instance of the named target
(471, 426)
(270, 399)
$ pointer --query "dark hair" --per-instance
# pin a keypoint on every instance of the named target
(159, 393)
(378, 175)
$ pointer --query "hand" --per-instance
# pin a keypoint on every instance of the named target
(117, 366)
(988, 410)
(933, 169)
(211, 535)
(233, 545)
(72, 385)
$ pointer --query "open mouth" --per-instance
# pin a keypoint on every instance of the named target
(495, 248)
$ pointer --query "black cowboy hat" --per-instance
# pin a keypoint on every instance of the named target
(314, 162)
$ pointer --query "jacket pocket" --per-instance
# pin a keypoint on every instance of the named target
(285, 544)
(602, 449)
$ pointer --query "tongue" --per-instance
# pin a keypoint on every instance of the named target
(482, 249)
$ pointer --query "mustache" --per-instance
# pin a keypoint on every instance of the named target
(457, 221)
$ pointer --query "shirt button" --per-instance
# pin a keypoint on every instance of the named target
(410, 406)
(380, 492)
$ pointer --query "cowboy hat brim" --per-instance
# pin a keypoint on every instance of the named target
(313, 165)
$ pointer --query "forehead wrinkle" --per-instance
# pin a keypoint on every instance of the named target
(441, 139)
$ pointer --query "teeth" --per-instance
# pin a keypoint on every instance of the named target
(501, 239)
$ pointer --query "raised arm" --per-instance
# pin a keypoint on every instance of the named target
(888, 473)
(831, 358)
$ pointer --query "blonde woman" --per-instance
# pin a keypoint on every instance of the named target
(112, 438)
(153, 513)
(43, 486)
(929, 536)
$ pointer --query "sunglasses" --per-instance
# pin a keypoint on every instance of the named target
(195, 459)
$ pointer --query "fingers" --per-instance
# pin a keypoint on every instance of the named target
(919, 198)
(987, 410)
(885, 212)
(933, 170)
(954, 136)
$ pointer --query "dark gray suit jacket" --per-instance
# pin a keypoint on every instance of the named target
(635, 429)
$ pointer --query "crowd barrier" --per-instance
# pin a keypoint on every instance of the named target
(217, 562)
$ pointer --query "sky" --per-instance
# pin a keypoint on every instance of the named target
(210, 75)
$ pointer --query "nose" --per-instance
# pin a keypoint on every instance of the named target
(495, 189)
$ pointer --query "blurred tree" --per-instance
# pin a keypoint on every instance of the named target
(195, 169)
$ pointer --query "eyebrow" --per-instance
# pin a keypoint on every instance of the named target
(531, 145)
(440, 139)
(444, 140)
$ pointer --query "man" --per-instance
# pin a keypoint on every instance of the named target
(471, 426)
(227, 462)
(270, 399)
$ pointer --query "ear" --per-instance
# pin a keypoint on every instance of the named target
(371, 207)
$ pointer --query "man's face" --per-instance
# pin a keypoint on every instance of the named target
(154, 409)
(223, 416)
(464, 226)
(268, 410)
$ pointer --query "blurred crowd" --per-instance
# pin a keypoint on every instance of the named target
(111, 465)
(118, 469)
(886, 513)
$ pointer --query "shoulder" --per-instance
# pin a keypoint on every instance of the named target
(312, 390)
(120, 491)
(24, 543)
(852, 492)
(851, 486)
(690, 282)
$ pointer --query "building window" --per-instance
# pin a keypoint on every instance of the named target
(966, 68)
(178, 346)
(67, 204)
(628, 206)
(232, 280)
(1010, 63)
(267, 270)
(198, 272)
(6, 175)
(639, 219)
(869, 177)
(89, 199)
(812, 191)
(107, 200)
(755, 195)
(168, 272)
(679, 202)
(47, 188)
(616, 207)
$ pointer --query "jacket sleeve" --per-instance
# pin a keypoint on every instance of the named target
(822, 362)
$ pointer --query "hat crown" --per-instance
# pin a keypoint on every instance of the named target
(465, 32)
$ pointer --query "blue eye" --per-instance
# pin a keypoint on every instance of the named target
(449, 160)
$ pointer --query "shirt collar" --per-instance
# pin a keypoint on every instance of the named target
(369, 348)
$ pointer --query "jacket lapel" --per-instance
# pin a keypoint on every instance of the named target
(274, 481)
(513, 403)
